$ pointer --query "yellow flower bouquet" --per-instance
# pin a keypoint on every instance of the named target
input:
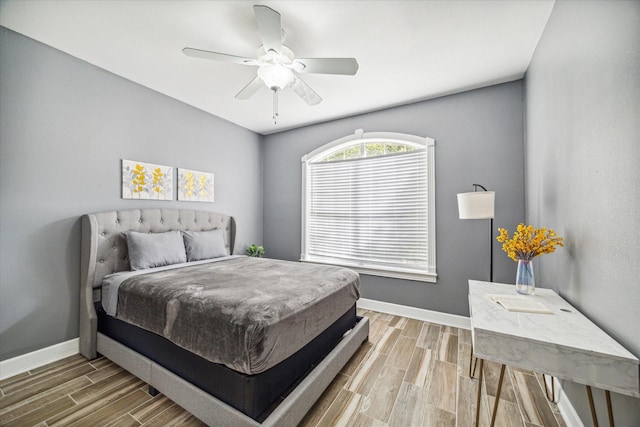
(529, 242)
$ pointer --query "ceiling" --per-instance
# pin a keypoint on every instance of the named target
(408, 51)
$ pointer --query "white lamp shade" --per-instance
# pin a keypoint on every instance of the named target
(476, 205)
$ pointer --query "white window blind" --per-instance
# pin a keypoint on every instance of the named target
(370, 212)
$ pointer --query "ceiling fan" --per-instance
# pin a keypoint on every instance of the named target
(278, 68)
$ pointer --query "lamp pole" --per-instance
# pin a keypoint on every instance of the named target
(475, 188)
(491, 251)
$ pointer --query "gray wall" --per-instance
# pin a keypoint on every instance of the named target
(583, 174)
(479, 139)
(64, 127)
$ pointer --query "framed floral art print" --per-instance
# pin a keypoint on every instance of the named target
(195, 186)
(146, 181)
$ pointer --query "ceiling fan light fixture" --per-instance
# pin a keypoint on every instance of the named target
(276, 77)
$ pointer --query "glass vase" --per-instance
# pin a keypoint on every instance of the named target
(525, 283)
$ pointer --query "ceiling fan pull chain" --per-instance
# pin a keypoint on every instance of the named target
(275, 106)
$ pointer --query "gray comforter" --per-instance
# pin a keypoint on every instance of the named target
(247, 313)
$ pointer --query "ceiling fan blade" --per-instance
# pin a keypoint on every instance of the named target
(269, 27)
(305, 92)
(250, 89)
(345, 66)
(205, 54)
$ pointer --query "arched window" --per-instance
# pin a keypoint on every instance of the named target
(368, 203)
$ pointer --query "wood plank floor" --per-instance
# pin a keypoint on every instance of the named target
(409, 373)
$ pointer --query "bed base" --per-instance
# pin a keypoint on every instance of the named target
(213, 411)
(254, 395)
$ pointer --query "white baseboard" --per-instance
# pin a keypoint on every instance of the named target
(569, 414)
(415, 313)
(35, 359)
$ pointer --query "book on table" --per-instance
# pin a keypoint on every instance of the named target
(521, 304)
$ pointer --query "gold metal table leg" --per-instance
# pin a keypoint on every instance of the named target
(479, 393)
(551, 398)
(495, 405)
(609, 410)
(472, 363)
(594, 417)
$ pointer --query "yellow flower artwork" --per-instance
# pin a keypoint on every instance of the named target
(195, 186)
(146, 181)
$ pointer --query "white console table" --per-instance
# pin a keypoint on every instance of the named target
(564, 344)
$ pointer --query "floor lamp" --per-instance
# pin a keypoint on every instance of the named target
(479, 205)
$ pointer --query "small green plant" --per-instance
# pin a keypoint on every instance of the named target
(255, 251)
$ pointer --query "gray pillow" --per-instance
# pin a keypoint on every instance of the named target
(148, 250)
(204, 244)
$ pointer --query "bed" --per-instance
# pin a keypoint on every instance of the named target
(285, 367)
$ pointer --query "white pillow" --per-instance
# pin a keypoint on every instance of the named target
(204, 244)
(148, 250)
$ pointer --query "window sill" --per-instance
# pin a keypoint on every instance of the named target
(383, 272)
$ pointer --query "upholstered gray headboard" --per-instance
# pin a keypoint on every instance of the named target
(104, 250)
